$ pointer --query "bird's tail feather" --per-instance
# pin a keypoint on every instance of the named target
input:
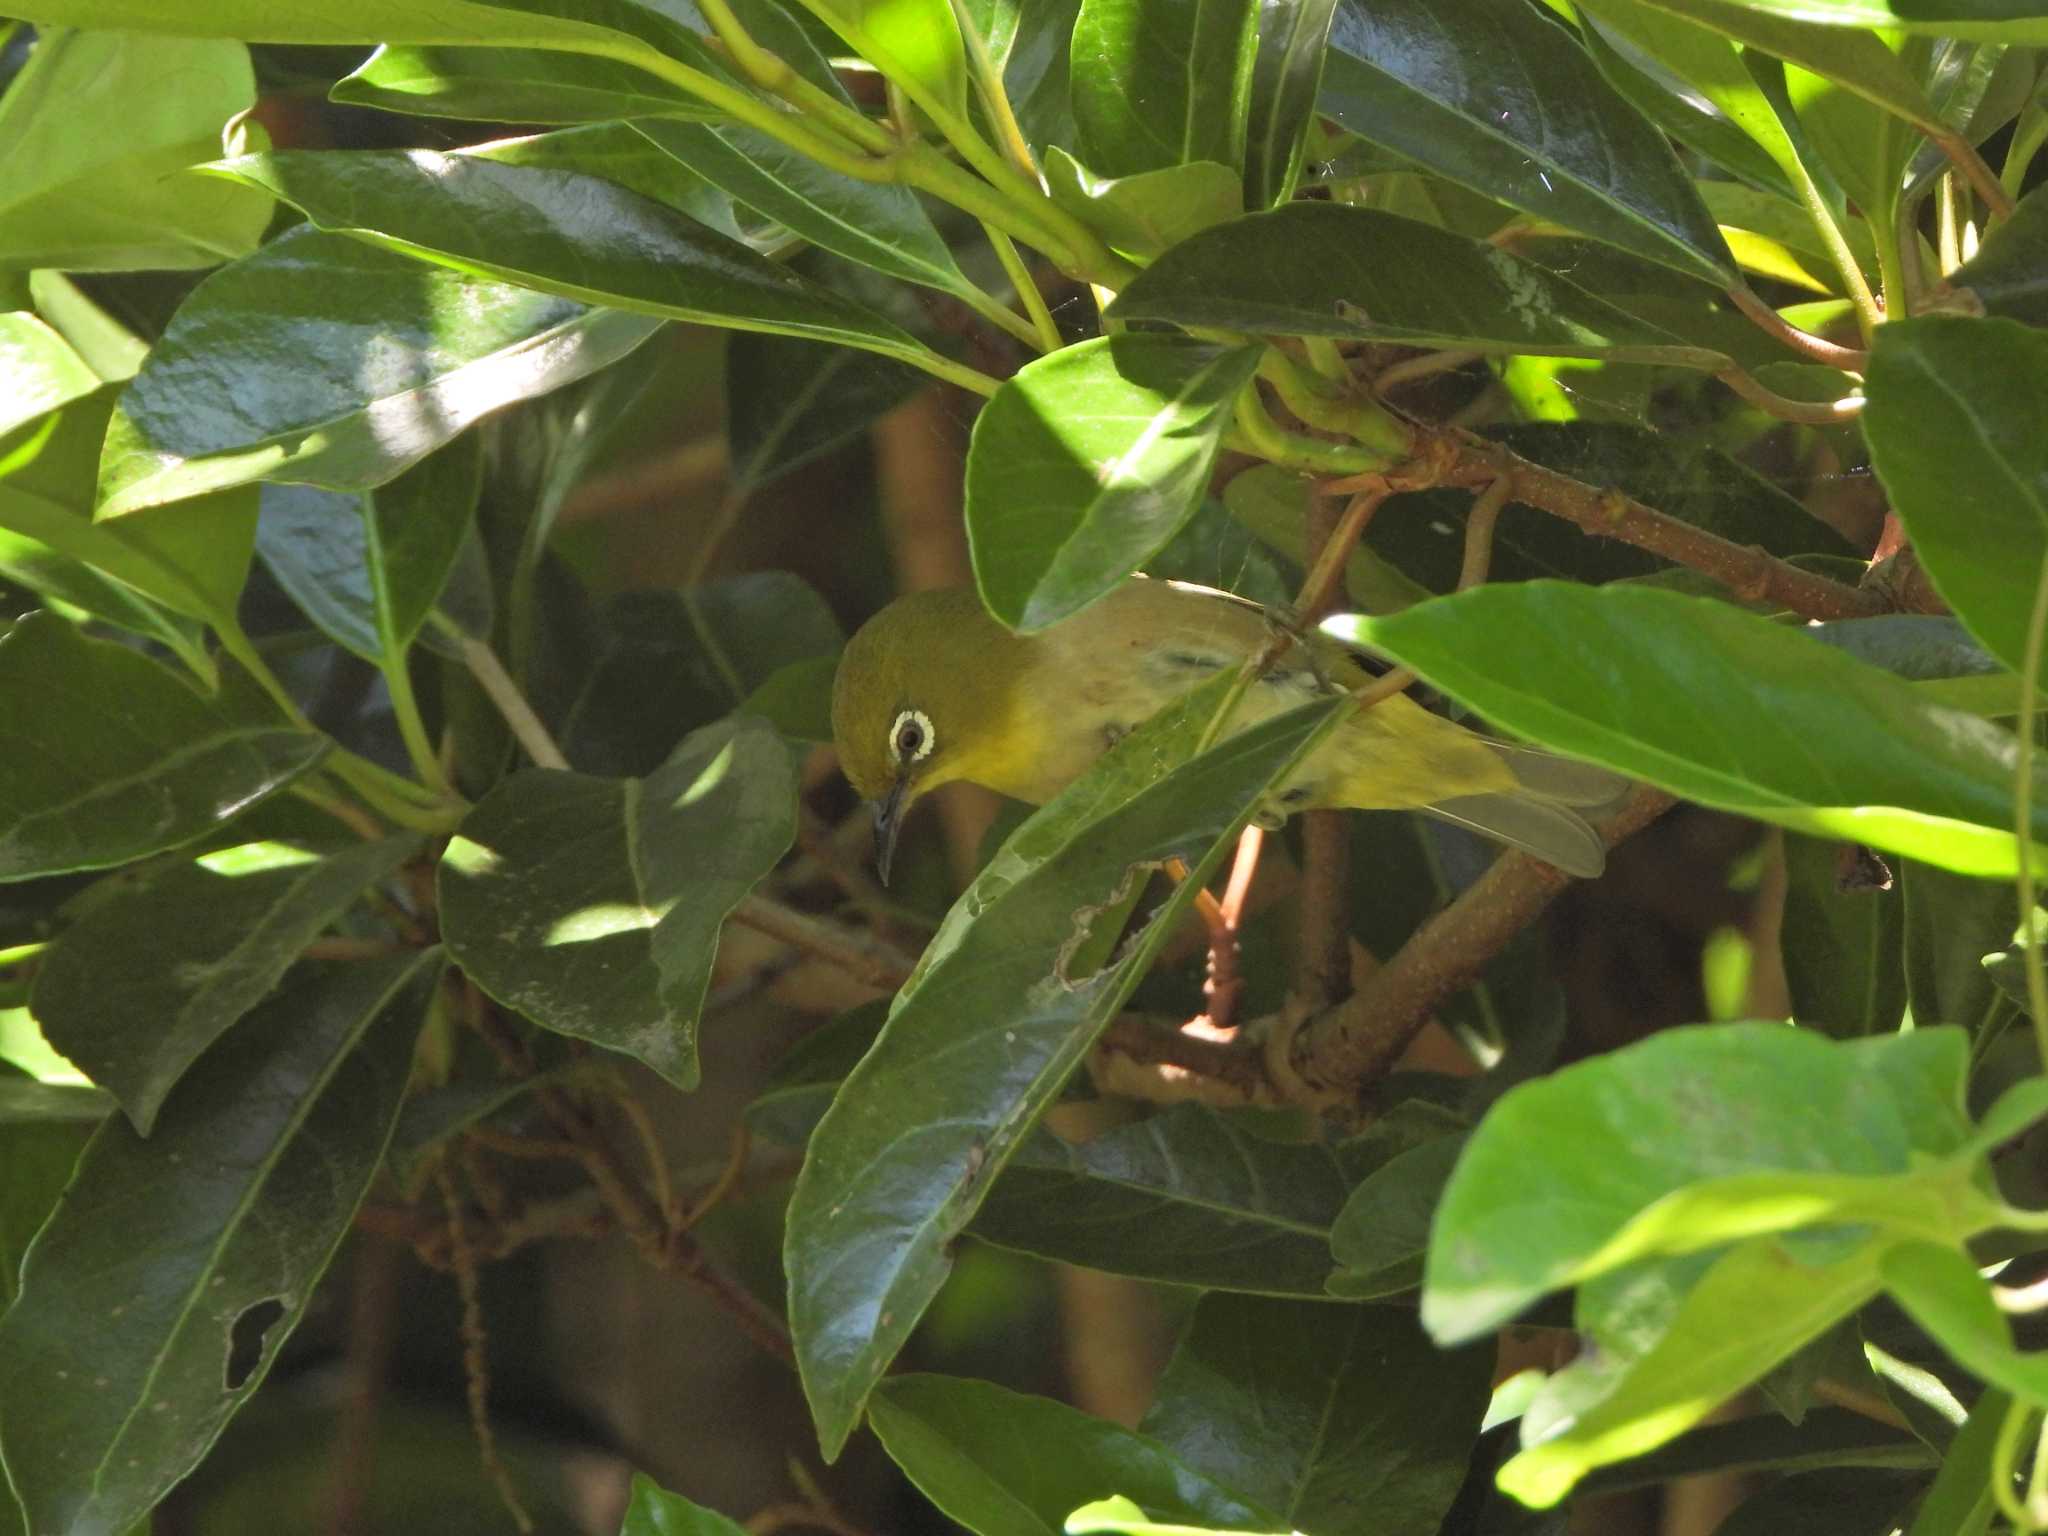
(1554, 833)
(1562, 780)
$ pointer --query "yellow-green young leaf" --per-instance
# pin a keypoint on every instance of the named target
(124, 758)
(41, 369)
(1954, 407)
(923, 1126)
(510, 85)
(1940, 1289)
(97, 131)
(654, 1511)
(1145, 213)
(593, 906)
(1724, 707)
(916, 43)
(159, 1295)
(1087, 462)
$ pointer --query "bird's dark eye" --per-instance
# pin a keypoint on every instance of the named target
(910, 738)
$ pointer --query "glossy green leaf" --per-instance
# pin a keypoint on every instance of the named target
(1499, 98)
(2008, 276)
(880, 225)
(1087, 462)
(1960, 18)
(1162, 83)
(1843, 944)
(1346, 1422)
(159, 1295)
(916, 43)
(563, 233)
(506, 85)
(1029, 40)
(163, 960)
(1005, 1464)
(40, 1154)
(1951, 421)
(1326, 269)
(1287, 74)
(190, 559)
(1563, 1167)
(593, 906)
(576, 25)
(664, 663)
(1752, 1308)
(326, 361)
(109, 348)
(98, 128)
(1191, 1197)
(1866, 147)
(1145, 213)
(41, 370)
(126, 759)
(654, 1511)
(368, 567)
(923, 1127)
(1819, 743)
(788, 401)
(1960, 1501)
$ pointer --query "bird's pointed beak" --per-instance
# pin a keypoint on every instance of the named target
(888, 822)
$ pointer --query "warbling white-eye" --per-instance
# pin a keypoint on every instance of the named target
(933, 689)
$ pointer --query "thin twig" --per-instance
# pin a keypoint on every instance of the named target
(1748, 571)
(1161, 1043)
(1815, 348)
(781, 1517)
(498, 687)
(651, 1148)
(1427, 366)
(1355, 1043)
(1480, 522)
(1809, 413)
(727, 1181)
(476, 1369)
(863, 958)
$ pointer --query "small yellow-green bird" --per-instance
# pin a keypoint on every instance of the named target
(933, 689)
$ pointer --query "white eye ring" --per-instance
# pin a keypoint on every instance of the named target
(911, 738)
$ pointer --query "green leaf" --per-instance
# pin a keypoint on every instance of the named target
(1191, 1197)
(1345, 1422)
(2008, 277)
(1940, 1289)
(580, 25)
(788, 401)
(190, 559)
(1560, 1171)
(126, 760)
(1005, 1464)
(1843, 946)
(916, 43)
(39, 1156)
(666, 662)
(510, 85)
(616, 152)
(162, 1290)
(1327, 269)
(880, 225)
(1287, 73)
(1087, 462)
(368, 568)
(567, 234)
(1819, 743)
(922, 1128)
(108, 347)
(1162, 83)
(1499, 98)
(1950, 421)
(1866, 147)
(41, 370)
(163, 959)
(1952, 926)
(1754, 1306)
(1960, 1502)
(270, 371)
(98, 127)
(1145, 213)
(654, 1511)
(593, 906)
(1380, 1237)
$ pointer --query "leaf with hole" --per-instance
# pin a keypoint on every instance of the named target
(159, 1295)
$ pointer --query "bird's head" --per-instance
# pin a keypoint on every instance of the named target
(918, 701)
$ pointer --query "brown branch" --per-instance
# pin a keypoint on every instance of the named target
(1747, 571)
(1357, 1042)
(865, 959)
(476, 1368)
(1150, 1041)
(1811, 413)
(1322, 955)
(1815, 348)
